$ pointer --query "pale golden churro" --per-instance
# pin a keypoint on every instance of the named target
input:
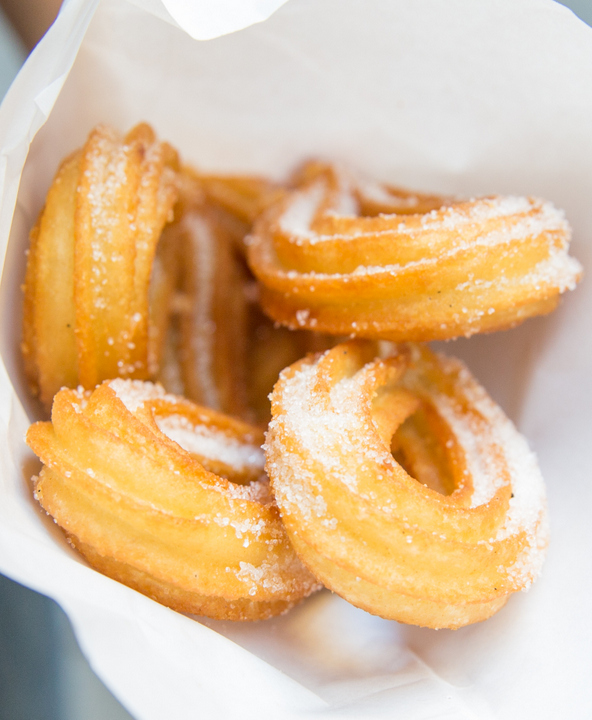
(443, 546)
(87, 286)
(169, 498)
(424, 268)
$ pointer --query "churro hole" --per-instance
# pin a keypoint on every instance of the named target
(423, 447)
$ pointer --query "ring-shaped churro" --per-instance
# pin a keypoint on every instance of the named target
(207, 335)
(346, 425)
(169, 498)
(225, 353)
(87, 313)
(343, 257)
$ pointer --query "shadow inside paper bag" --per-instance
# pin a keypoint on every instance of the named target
(343, 654)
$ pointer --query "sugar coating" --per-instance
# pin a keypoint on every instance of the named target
(528, 506)
(300, 213)
(279, 572)
(487, 473)
(369, 189)
(281, 578)
(121, 244)
(323, 433)
(207, 442)
(106, 174)
(328, 431)
(483, 223)
(528, 216)
(134, 393)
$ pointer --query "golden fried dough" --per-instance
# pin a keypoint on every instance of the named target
(169, 498)
(403, 487)
(327, 261)
(87, 286)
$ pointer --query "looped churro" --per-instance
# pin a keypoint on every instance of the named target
(87, 287)
(208, 332)
(169, 498)
(327, 261)
(403, 487)
(227, 354)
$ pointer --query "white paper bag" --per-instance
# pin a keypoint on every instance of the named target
(464, 96)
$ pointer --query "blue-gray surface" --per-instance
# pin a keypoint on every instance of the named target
(43, 674)
(29, 678)
(582, 8)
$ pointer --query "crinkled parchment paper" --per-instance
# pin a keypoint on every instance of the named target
(462, 96)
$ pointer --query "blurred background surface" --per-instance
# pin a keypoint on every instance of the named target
(43, 674)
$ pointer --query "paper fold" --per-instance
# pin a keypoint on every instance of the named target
(212, 18)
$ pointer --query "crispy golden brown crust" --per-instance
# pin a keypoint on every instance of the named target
(368, 260)
(90, 262)
(386, 541)
(194, 528)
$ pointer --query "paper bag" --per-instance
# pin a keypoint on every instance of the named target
(465, 96)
